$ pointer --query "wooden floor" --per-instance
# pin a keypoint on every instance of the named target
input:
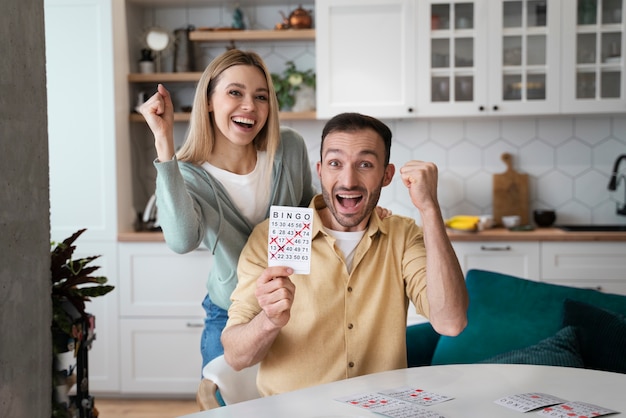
(144, 408)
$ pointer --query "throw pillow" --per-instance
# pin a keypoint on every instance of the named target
(602, 335)
(562, 349)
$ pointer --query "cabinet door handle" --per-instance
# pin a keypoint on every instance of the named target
(194, 325)
(485, 248)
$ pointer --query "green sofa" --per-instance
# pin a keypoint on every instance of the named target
(515, 320)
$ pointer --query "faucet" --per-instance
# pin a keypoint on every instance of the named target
(615, 178)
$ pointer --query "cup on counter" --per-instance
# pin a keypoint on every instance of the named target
(485, 222)
(511, 221)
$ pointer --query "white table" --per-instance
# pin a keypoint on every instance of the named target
(474, 388)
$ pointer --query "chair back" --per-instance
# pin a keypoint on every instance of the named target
(233, 386)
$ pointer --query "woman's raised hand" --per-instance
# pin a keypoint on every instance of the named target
(158, 111)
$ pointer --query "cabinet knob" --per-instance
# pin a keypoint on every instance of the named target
(495, 107)
(410, 109)
(481, 108)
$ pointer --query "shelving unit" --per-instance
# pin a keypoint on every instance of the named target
(193, 77)
(228, 36)
(184, 116)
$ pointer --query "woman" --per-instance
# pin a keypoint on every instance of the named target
(234, 164)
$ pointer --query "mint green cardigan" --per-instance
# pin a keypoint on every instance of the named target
(194, 208)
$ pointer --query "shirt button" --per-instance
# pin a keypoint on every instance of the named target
(351, 364)
(349, 289)
(350, 326)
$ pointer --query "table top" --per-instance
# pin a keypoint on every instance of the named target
(473, 387)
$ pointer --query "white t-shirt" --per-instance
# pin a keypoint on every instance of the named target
(347, 242)
(249, 192)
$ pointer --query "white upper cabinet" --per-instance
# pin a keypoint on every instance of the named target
(365, 52)
(488, 57)
(593, 47)
(413, 58)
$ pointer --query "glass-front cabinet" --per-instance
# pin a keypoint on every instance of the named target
(593, 76)
(452, 62)
(488, 57)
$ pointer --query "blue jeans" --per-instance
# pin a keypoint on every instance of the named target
(214, 323)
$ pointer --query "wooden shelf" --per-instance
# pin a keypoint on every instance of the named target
(184, 116)
(252, 35)
(297, 115)
(178, 117)
(164, 77)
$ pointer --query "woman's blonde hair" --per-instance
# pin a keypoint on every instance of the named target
(200, 140)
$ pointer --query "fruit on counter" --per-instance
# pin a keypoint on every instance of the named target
(463, 222)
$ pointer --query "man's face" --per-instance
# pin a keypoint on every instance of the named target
(352, 173)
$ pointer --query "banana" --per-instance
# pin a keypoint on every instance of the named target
(463, 222)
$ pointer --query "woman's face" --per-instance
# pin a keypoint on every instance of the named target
(240, 104)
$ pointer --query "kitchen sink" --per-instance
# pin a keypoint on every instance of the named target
(592, 228)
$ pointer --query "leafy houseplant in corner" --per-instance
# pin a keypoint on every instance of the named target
(295, 89)
(72, 327)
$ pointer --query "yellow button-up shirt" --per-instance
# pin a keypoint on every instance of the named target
(343, 324)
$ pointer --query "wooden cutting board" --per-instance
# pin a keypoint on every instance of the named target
(510, 193)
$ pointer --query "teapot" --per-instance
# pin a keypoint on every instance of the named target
(298, 19)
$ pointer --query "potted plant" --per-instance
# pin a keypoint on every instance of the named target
(72, 327)
(289, 83)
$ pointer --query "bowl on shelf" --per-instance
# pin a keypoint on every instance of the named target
(544, 217)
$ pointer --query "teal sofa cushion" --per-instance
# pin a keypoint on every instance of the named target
(602, 335)
(562, 349)
(508, 313)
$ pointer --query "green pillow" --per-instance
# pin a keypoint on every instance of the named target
(562, 349)
(602, 335)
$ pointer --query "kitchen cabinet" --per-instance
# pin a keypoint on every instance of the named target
(589, 264)
(161, 318)
(488, 57)
(599, 265)
(365, 57)
(593, 49)
(470, 57)
(521, 259)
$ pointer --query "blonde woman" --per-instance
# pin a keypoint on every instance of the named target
(234, 164)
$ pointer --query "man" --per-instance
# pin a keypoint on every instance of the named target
(348, 317)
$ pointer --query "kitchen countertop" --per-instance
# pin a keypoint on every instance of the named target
(494, 234)
(538, 234)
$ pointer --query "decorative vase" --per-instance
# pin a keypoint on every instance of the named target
(304, 99)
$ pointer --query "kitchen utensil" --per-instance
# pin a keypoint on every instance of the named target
(543, 217)
(183, 50)
(300, 19)
(510, 193)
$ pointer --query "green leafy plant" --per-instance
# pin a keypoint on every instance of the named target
(67, 275)
(289, 82)
(69, 295)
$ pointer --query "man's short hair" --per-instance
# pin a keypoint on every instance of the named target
(351, 122)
